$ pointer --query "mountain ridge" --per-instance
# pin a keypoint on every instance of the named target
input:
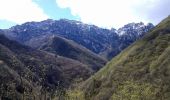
(104, 42)
(70, 49)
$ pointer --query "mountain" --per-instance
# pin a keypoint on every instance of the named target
(133, 31)
(70, 49)
(140, 72)
(105, 42)
(127, 35)
(27, 73)
(86, 35)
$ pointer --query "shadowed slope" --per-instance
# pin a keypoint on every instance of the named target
(29, 72)
(70, 49)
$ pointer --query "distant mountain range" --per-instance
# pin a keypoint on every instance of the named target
(40, 59)
(105, 42)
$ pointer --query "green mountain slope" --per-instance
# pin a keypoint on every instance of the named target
(141, 72)
(34, 74)
(70, 49)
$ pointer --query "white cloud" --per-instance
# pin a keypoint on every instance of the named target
(116, 13)
(20, 11)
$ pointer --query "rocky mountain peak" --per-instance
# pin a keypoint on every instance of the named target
(134, 28)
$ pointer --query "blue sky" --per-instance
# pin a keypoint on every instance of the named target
(4, 24)
(103, 13)
(49, 8)
(53, 11)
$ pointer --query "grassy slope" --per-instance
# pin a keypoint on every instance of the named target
(141, 72)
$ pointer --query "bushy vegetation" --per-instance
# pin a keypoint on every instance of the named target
(135, 91)
(141, 72)
(26, 73)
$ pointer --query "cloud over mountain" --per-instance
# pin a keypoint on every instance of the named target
(20, 11)
(116, 13)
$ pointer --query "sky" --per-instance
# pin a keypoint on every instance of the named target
(103, 13)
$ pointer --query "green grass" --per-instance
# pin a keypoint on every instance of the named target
(140, 72)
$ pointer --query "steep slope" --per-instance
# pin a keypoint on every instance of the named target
(70, 49)
(107, 43)
(128, 34)
(29, 73)
(141, 72)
